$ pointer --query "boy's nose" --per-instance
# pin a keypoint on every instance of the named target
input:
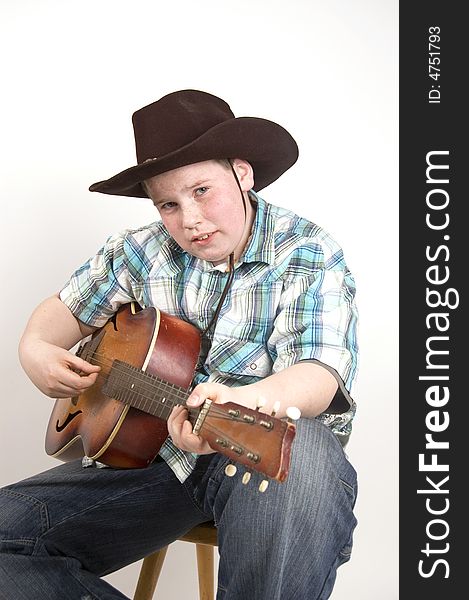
(191, 217)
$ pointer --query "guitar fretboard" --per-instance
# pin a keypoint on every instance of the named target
(144, 391)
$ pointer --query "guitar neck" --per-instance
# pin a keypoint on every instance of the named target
(260, 442)
(130, 385)
(131, 439)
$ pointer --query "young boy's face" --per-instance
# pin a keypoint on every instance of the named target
(202, 209)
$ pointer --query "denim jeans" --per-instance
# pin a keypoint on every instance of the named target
(63, 529)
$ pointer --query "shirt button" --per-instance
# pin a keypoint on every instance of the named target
(253, 366)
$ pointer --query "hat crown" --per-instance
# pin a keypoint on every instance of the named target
(175, 120)
(190, 126)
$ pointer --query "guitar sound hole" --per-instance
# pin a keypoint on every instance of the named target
(69, 418)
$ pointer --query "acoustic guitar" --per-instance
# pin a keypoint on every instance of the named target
(147, 360)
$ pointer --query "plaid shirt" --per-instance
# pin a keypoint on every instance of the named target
(292, 299)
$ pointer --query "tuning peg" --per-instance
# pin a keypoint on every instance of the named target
(246, 477)
(263, 485)
(230, 470)
(260, 402)
(275, 409)
(293, 413)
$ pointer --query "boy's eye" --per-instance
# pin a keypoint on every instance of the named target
(201, 190)
(167, 205)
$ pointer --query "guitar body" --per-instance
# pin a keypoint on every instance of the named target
(105, 429)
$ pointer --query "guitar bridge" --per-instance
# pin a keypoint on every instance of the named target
(201, 418)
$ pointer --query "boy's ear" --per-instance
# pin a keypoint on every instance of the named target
(245, 173)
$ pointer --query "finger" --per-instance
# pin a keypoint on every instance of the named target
(193, 442)
(79, 364)
(180, 430)
(63, 391)
(196, 398)
(178, 416)
(175, 422)
(75, 381)
(202, 392)
(186, 430)
(187, 440)
(213, 391)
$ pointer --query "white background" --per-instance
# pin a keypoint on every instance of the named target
(73, 73)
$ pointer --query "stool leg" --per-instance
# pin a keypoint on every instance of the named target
(149, 573)
(205, 566)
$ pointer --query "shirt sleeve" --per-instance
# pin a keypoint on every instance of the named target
(98, 288)
(317, 320)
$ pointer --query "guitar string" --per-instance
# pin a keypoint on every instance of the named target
(208, 426)
(152, 380)
(242, 458)
(214, 411)
(179, 391)
(157, 386)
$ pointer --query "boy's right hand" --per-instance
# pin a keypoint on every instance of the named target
(56, 372)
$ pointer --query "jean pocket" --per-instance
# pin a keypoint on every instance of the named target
(23, 519)
(350, 488)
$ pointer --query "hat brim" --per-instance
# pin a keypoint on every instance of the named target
(267, 146)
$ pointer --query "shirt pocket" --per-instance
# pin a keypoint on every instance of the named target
(239, 360)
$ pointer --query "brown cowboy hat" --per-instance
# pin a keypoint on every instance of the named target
(190, 126)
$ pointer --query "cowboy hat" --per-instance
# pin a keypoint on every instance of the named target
(190, 126)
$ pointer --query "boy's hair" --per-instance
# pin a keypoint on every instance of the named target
(225, 162)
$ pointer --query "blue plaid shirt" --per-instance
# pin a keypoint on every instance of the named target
(292, 299)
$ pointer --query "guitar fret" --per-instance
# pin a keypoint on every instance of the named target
(242, 437)
(142, 390)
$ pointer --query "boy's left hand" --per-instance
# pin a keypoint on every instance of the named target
(180, 428)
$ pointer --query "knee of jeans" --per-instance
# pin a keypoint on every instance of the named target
(23, 519)
(319, 461)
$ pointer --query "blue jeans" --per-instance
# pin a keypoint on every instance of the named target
(63, 529)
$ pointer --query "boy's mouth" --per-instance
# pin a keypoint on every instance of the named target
(202, 238)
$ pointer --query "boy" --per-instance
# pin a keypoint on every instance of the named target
(274, 301)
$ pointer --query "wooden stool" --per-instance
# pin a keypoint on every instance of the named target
(205, 538)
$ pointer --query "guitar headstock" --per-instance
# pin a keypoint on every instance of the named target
(257, 440)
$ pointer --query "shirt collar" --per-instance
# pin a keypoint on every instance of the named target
(261, 246)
